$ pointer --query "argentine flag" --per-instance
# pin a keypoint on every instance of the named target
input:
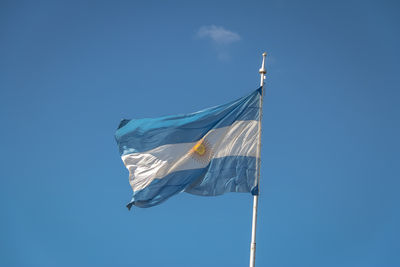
(207, 153)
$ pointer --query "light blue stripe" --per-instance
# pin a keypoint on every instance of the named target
(222, 175)
(140, 135)
(227, 174)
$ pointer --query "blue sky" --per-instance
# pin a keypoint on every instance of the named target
(70, 70)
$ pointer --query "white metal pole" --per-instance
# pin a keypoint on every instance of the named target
(262, 72)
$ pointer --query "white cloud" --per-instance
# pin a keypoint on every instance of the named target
(218, 34)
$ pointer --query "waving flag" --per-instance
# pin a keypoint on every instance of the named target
(208, 153)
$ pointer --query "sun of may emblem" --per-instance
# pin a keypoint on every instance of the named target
(201, 151)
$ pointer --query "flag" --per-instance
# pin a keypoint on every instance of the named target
(207, 153)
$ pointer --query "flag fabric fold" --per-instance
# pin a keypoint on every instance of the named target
(208, 153)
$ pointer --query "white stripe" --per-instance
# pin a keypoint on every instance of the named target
(238, 139)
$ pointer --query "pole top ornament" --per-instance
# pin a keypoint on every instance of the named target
(262, 70)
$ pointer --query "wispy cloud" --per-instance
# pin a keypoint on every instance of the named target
(218, 34)
(220, 37)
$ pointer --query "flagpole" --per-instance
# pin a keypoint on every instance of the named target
(262, 72)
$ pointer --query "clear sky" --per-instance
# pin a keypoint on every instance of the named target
(71, 70)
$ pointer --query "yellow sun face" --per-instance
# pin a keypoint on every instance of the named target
(201, 151)
(199, 148)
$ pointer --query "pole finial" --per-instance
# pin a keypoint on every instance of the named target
(262, 70)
